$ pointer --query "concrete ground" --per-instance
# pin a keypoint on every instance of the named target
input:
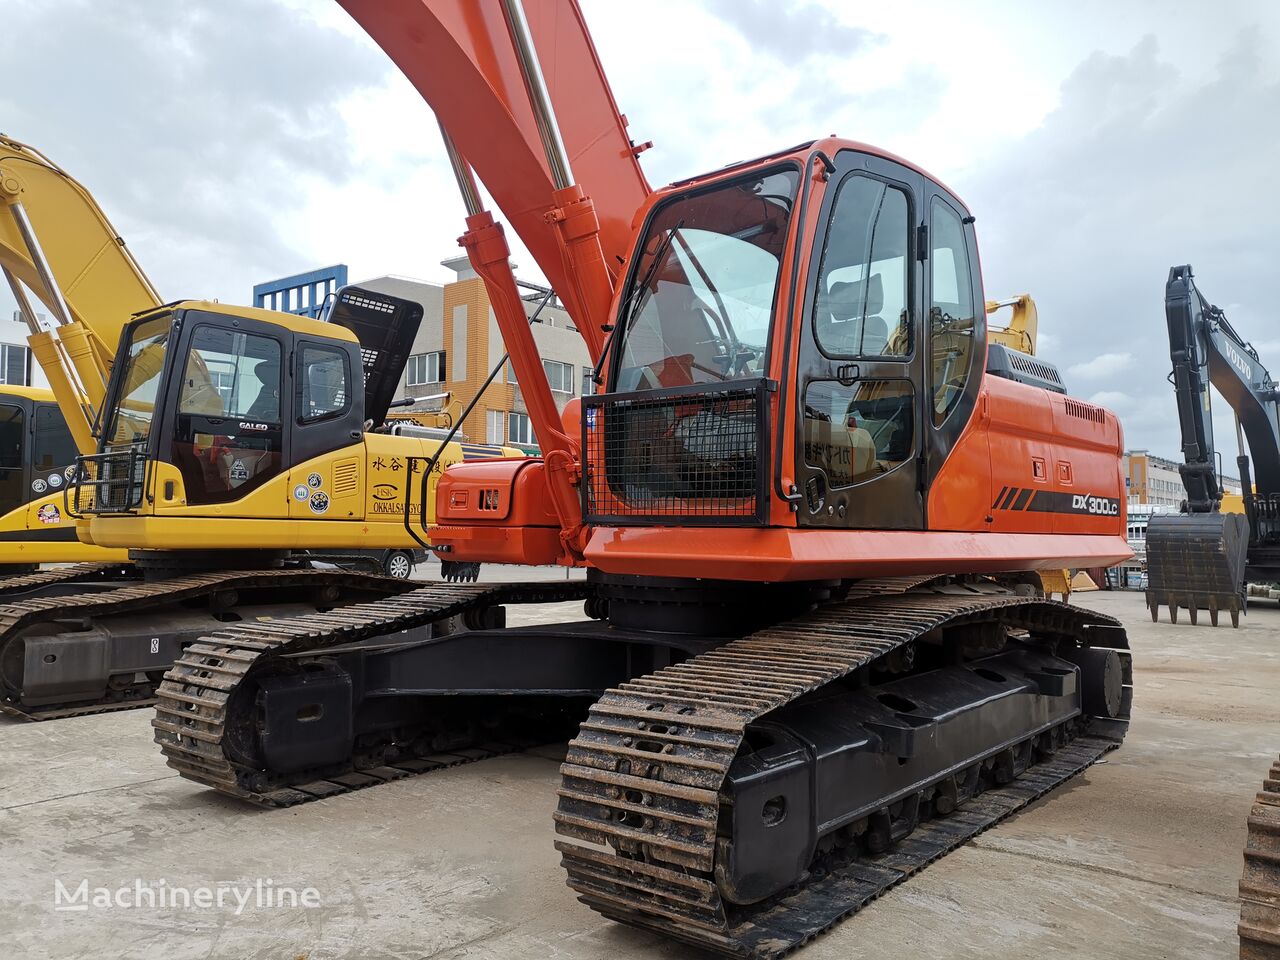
(1139, 857)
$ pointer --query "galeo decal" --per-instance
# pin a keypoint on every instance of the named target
(39, 486)
(1049, 501)
(49, 514)
(253, 426)
(314, 481)
(319, 502)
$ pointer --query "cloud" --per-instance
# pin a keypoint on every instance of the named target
(1140, 167)
(793, 32)
(1103, 365)
(235, 140)
(198, 127)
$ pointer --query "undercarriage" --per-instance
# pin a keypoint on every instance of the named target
(739, 792)
(76, 641)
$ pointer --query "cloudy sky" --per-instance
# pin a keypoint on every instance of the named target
(1098, 143)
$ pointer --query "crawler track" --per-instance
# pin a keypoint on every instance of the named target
(648, 800)
(36, 714)
(197, 715)
(21, 615)
(77, 573)
(1260, 886)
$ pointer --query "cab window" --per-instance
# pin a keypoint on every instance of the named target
(228, 438)
(856, 432)
(52, 445)
(951, 313)
(325, 384)
(861, 306)
(232, 374)
(13, 490)
(699, 306)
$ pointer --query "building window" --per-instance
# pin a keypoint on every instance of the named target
(425, 368)
(495, 427)
(511, 373)
(588, 385)
(13, 365)
(559, 376)
(519, 429)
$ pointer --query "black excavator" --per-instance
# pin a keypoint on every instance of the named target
(1203, 557)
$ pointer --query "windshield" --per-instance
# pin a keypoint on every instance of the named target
(700, 303)
(130, 418)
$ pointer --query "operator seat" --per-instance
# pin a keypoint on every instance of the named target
(266, 405)
(851, 325)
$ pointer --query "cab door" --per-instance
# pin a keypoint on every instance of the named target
(861, 383)
(328, 418)
(14, 472)
(227, 435)
(956, 328)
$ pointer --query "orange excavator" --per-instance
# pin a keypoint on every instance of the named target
(809, 499)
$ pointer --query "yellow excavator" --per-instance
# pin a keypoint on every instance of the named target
(223, 449)
(37, 456)
(37, 446)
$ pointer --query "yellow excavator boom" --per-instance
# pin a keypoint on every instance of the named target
(81, 272)
(1020, 333)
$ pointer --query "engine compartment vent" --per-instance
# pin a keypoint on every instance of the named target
(1021, 367)
(1086, 411)
(346, 477)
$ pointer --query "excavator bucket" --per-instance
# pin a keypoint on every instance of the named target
(1196, 561)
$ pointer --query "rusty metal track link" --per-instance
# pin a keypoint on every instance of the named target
(19, 615)
(641, 783)
(194, 709)
(1260, 886)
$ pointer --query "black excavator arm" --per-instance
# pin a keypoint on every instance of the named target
(1205, 349)
(1202, 558)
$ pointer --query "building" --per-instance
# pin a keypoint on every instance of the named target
(1156, 481)
(458, 345)
(303, 294)
(15, 356)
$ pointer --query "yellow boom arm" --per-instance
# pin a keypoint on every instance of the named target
(57, 243)
(1020, 334)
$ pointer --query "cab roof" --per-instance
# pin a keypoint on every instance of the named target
(290, 321)
(799, 153)
(27, 393)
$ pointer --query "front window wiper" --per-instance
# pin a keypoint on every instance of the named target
(631, 307)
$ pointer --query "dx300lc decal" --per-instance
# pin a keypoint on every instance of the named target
(1051, 501)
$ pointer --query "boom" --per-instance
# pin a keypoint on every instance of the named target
(57, 242)
(461, 58)
(1203, 558)
(1206, 349)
